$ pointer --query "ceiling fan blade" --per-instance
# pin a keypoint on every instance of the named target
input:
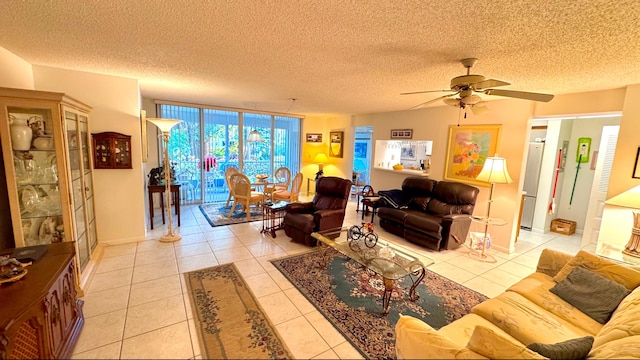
(432, 101)
(423, 92)
(520, 95)
(480, 108)
(489, 83)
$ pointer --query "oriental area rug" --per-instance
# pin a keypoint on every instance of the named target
(228, 318)
(217, 214)
(350, 297)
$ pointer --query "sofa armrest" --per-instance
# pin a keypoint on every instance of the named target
(458, 226)
(551, 261)
(328, 219)
(415, 339)
(306, 207)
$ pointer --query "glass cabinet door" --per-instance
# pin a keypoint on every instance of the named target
(35, 173)
(74, 141)
(88, 182)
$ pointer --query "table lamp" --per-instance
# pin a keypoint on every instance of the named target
(494, 172)
(630, 199)
(321, 158)
(165, 126)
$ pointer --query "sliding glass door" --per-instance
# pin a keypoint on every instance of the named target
(208, 141)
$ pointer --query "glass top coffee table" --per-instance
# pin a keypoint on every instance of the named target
(377, 255)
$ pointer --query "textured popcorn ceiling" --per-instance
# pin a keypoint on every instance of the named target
(335, 56)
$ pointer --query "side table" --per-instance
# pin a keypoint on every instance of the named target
(272, 216)
(373, 202)
(479, 252)
(175, 195)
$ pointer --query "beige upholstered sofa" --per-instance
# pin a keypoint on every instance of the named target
(528, 312)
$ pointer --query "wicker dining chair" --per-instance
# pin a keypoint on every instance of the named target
(289, 195)
(242, 193)
(281, 181)
(227, 177)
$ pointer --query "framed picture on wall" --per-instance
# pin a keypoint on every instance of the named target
(467, 148)
(408, 152)
(401, 133)
(314, 137)
(636, 167)
(335, 143)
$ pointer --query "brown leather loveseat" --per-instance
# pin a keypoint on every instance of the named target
(325, 212)
(430, 213)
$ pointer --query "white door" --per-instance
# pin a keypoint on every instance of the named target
(600, 184)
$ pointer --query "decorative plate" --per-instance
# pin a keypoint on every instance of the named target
(12, 274)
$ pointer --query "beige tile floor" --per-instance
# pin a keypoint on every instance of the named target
(136, 304)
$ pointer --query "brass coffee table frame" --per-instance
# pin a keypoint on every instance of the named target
(400, 265)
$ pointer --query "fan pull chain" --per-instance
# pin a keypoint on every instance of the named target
(460, 113)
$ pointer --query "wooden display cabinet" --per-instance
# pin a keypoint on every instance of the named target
(41, 315)
(45, 146)
(111, 150)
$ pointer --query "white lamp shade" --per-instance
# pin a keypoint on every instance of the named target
(164, 124)
(495, 171)
(629, 198)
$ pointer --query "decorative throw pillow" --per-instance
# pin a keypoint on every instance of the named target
(591, 293)
(625, 275)
(493, 345)
(571, 349)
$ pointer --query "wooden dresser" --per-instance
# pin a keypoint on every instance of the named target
(40, 316)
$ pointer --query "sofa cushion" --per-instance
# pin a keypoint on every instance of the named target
(619, 273)
(624, 348)
(624, 321)
(526, 321)
(424, 222)
(452, 198)
(535, 287)
(552, 261)
(491, 344)
(591, 293)
(417, 340)
(460, 330)
(419, 203)
(574, 349)
(395, 215)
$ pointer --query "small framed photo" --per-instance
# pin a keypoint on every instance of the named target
(401, 133)
(636, 167)
(314, 137)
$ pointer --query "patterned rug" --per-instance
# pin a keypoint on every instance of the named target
(216, 214)
(229, 321)
(350, 297)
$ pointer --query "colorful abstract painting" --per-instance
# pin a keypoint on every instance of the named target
(467, 149)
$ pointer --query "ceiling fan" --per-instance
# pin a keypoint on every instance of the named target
(465, 87)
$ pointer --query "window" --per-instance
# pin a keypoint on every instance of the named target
(207, 142)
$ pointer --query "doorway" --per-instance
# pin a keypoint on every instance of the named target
(574, 190)
(362, 150)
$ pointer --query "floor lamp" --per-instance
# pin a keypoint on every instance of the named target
(165, 126)
(494, 172)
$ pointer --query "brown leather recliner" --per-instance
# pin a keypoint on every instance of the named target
(325, 212)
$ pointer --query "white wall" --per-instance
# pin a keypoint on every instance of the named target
(119, 194)
(14, 71)
(433, 124)
(577, 210)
